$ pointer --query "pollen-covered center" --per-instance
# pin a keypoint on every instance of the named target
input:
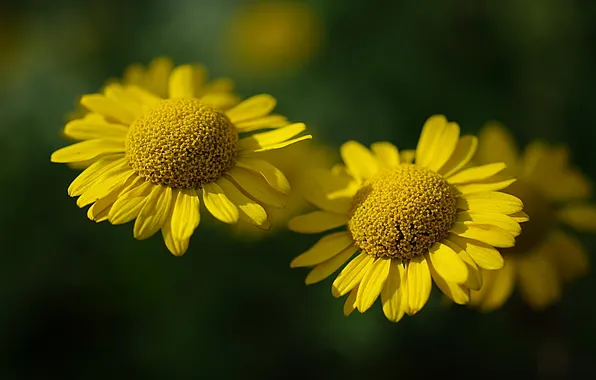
(402, 213)
(181, 144)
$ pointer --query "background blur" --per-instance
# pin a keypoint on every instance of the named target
(84, 300)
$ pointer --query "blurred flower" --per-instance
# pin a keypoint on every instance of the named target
(153, 158)
(410, 222)
(545, 256)
(265, 37)
(297, 162)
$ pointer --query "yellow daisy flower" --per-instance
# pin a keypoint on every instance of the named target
(545, 256)
(153, 159)
(410, 222)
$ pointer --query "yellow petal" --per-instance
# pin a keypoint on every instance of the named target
(359, 161)
(327, 247)
(107, 107)
(350, 304)
(154, 212)
(158, 75)
(271, 121)
(250, 211)
(274, 177)
(447, 263)
(463, 153)
(490, 184)
(581, 216)
(256, 187)
(476, 173)
(87, 150)
(372, 283)
(130, 203)
(185, 81)
(99, 211)
(352, 274)
(431, 132)
(501, 287)
(500, 220)
(117, 93)
(569, 254)
(392, 291)
(520, 217)
(281, 145)
(176, 246)
(147, 99)
(221, 101)
(252, 108)
(95, 172)
(82, 129)
(218, 204)
(316, 222)
(492, 201)
(326, 268)
(418, 284)
(484, 255)
(456, 292)
(474, 280)
(407, 156)
(104, 184)
(539, 284)
(486, 233)
(444, 146)
(387, 154)
(276, 136)
(185, 216)
(496, 145)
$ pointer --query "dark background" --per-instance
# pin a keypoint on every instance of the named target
(86, 301)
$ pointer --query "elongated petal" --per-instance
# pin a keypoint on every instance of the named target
(486, 256)
(350, 304)
(485, 186)
(492, 201)
(352, 274)
(500, 220)
(447, 263)
(359, 160)
(418, 284)
(387, 154)
(372, 283)
(316, 221)
(464, 151)
(445, 146)
(477, 173)
(327, 247)
(281, 145)
(87, 150)
(486, 233)
(539, 283)
(326, 268)
(276, 136)
(274, 177)
(455, 292)
(107, 107)
(250, 211)
(252, 108)
(391, 295)
(186, 81)
(431, 133)
(256, 187)
(474, 279)
(128, 206)
(497, 145)
(95, 172)
(271, 121)
(105, 184)
(82, 129)
(154, 212)
(185, 215)
(219, 205)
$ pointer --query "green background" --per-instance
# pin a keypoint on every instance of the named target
(87, 301)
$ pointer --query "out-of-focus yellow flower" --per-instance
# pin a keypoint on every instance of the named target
(404, 224)
(297, 162)
(271, 36)
(554, 193)
(154, 159)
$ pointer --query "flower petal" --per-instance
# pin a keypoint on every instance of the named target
(463, 153)
(455, 292)
(444, 146)
(97, 171)
(107, 107)
(154, 212)
(218, 204)
(387, 154)
(352, 274)
(326, 268)
(418, 284)
(490, 184)
(130, 203)
(492, 201)
(274, 177)
(570, 256)
(391, 295)
(252, 108)
(431, 132)
(186, 81)
(250, 211)
(359, 161)
(476, 173)
(84, 129)
(327, 247)
(486, 256)
(264, 139)
(185, 216)
(271, 121)
(497, 145)
(372, 283)
(350, 304)
(87, 150)
(486, 233)
(581, 216)
(256, 187)
(474, 280)
(316, 222)
(539, 283)
(447, 263)
(496, 288)
(500, 220)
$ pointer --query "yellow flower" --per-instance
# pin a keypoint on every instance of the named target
(153, 159)
(269, 36)
(409, 221)
(545, 256)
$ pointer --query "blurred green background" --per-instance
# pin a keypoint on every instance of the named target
(85, 300)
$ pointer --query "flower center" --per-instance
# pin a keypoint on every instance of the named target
(542, 217)
(181, 144)
(402, 213)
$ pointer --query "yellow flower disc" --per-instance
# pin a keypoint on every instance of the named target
(181, 144)
(402, 213)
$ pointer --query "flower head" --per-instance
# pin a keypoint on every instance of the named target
(152, 159)
(555, 194)
(410, 218)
